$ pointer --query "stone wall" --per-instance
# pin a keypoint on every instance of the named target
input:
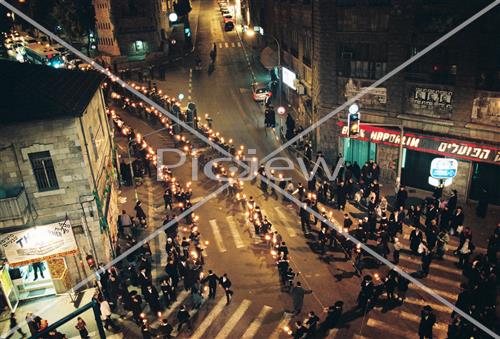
(62, 138)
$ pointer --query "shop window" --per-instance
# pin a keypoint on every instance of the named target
(43, 170)
(483, 175)
(359, 151)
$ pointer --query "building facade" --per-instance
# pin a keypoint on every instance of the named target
(133, 30)
(57, 180)
(447, 101)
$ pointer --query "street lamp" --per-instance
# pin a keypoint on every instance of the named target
(251, 32)
(173, 17)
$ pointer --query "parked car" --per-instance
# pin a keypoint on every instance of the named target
(228, 18)
(260, 91)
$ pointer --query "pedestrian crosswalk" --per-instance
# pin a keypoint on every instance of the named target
(284, 221)
(229, 44)
(217, 235)
(235, 317)
(233, 228)
(256, 323)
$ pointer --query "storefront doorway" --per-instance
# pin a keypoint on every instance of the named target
(416, 169)
(33, 280)
(359, 151)
(485, 176)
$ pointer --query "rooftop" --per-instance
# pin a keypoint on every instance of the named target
(34, 92)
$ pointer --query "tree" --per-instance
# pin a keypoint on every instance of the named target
(76, 18)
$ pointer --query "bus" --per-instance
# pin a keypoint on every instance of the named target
(43, 55)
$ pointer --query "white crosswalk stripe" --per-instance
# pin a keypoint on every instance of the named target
(389, 329)
(438, 326)
(445, 294)
(226, 45)
(284, 322)
(422, 303)
(434, 265)
(284, 222)
(207, 321)
(332, 333)
(231, 323)
(239, 44)
(180, 300)
(233, 228)
(220, 44)
(255, 325)
(232, 44)
(217, 235)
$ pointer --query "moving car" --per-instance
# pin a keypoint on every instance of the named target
(260, 91)
(228, 26)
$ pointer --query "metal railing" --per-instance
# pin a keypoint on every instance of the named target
(14, 207)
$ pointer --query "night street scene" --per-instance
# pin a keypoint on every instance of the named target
(236, 169)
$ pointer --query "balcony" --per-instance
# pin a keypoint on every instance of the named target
(14, 208)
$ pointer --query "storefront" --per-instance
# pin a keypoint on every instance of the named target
(35, 263)
(479, 165)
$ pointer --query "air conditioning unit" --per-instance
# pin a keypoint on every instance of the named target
(300, 89)
(296, 83)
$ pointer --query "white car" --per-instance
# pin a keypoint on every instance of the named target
(261, 91)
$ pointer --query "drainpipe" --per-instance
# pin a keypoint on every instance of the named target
(93, 178)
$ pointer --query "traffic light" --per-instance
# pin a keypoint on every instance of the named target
(90, 261)
(353, 121)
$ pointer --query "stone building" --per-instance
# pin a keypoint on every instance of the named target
(448, 101)
(133, 30)
(57, 169)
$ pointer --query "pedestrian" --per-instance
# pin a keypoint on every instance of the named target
(305, 219)
(402, 288)
(165, 329)
(212, 280)
(427, 321)
(401, 198)
(146, 329)
(183, 317)
(226, 285)
(366, 293)
(426, 262)
(153, 299)
(311, 323)
(298, 293)
(13, 324)
(126, 223)
(139, 212)
(105, 309)
(395, 252)
(334, 313)
(81, 326)
(483, 201)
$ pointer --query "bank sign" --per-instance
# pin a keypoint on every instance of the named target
(429, 144)
(444, 168)
(38, 243)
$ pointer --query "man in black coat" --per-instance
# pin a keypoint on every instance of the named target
(226, 285)
(305, 219)
(401, 197)
(427, 321)
(212, 280)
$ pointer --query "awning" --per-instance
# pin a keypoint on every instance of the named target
(269, 58)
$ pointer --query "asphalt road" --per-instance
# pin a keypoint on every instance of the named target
(258, 303)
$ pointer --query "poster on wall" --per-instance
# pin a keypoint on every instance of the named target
(430, 101)
(486, 109)
(374, 98)
(38, 243)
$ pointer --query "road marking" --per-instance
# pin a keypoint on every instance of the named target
(445, 294)
(234, 232)
(281, 215)
(209, 319)
(422, 303)
(226, 44)
(284, 322)
(220, 44)
(239, 44)
(231, 323)
(389, 329)
(232, 44)
(439, 326)
(434, 266)
(195, 200)
(255, 325)
(217, 235)
(163, 255)
(180, 299)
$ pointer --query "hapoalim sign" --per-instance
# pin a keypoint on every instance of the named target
(38, 243)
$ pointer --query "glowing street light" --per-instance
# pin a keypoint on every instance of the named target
(173, 17)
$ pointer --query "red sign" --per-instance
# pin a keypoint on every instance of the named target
(442, 146)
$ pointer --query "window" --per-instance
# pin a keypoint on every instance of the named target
(44, 172)
(351, 19)
(362, 60)
(306, 58)
(94, 145)
(295, 43)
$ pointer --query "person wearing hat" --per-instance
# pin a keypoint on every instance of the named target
(427, 321)
(334, 313)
